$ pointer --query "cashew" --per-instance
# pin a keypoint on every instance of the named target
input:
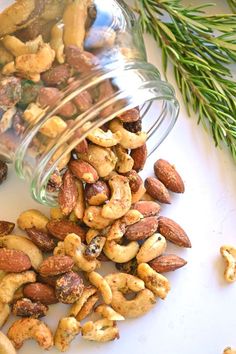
(9, 68)
(128, 140)
(94, 219)
(75, 249)
(59, 250)
(34, 64)
(102, 138)
(120, 201)
(109, 313)
(100, 331)
(74, 19)
(229, 350)
(131, 217)
(11, 282)
(15, 46)
(153, 247)
(56, 213)
(21, 243)
(88, 307)
(4, 314)
(121, 284)
(147, 197)
(91, 234)
(80, 304)
(32, 113)
(53, 127)
(67, 329)
(80, 203)
(30, 328)
(102, 159)
(101, 284)
(120, 253)
(32, 218)
(229, 254)
(2, 274)
(7, 119)
(117, 229)
(6, 346)
(125, 162)
(137, 196)
(5, 56)
(57, 43)
(64, 160)
(154, 281)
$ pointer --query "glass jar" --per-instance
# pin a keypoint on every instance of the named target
(70, 67)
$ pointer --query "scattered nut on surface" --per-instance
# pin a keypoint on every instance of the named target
(229, 254)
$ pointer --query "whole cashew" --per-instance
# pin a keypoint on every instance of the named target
(120, 253)
(32, 218)
(102, 138)
(11, 282)
(154, 281)
(16, 47)
(94, 219)
(21, 243)
(125, 162)
(109, 313)
(122, 283)
(101, 284)
(78, 308)
(67, 329)
(30, 328)
(153, 247)
(100, 331)
(75, 249)
(128, 140)
(120, 201)
(57, 43)
(4, 314)
(229, 254)
(6, 346)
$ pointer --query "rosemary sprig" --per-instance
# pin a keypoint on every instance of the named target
(232, 4)
(187, 38)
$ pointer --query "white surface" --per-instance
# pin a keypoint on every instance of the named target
(198, 315)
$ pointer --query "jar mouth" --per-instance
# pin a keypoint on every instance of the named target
(138, 84)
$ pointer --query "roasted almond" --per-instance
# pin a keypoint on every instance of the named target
(135, 181)
(147, 208)
(61, 228)
(41, 239)
(26, 308)
(157, 190)
(142, 229)
(83, 171)
(69, 288)
(55, 265)
(173, 232)
(14, 261)
(131, 115)
(139, 156)
(68, 194)
(167, 263)
(6, 228)
(168, 175)
(40, 292)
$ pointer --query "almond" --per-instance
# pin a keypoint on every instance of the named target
(68, 194)
(132, 115)
(168, 175)
(173, 232)
(83, 171)
(41, 239)
(61, 228)
(135, 181)
(40, 292)
(6, 228)
(26, 308)
(55, 265)
(14, 261)
(69, 288)
(139, 156)
(157, 190)
(142, 229)
(167, 263)
(147, 208)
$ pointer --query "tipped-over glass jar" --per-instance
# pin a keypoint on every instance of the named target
(70, 71)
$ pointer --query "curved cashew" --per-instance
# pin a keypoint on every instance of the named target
(32, 218)
(154, 281)
(82, 307)
(67, 329)
(100, 331)
(91, 234)
(101, 284)
(53, 127)
(128, 140)
(108, 312)
(6, 346)
(121, 284)
(87, 309)
(11, 282)
(120, 253)
(21, 243)
(104, 139)
(120, 201)
(17, 47)
(30, 328)
(125, 162)
(93, 218)
(153, 247)
(57, 43)
(75, 249)
(102, 159)
(4, 314)
(229, 254)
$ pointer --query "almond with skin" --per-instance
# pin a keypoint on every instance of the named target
(14, 261)
(40, 292)
(167, 263)
(55, 265)
(147, 208)
(68, 194)
(6, 228)
(41, 239)
(157, 190)
(142, 229)
(83, 171)
(173, 232)
(61, 228)
(135, 181)
(139, 156)
(168, 175)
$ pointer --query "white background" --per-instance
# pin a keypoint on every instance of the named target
(199, 314)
